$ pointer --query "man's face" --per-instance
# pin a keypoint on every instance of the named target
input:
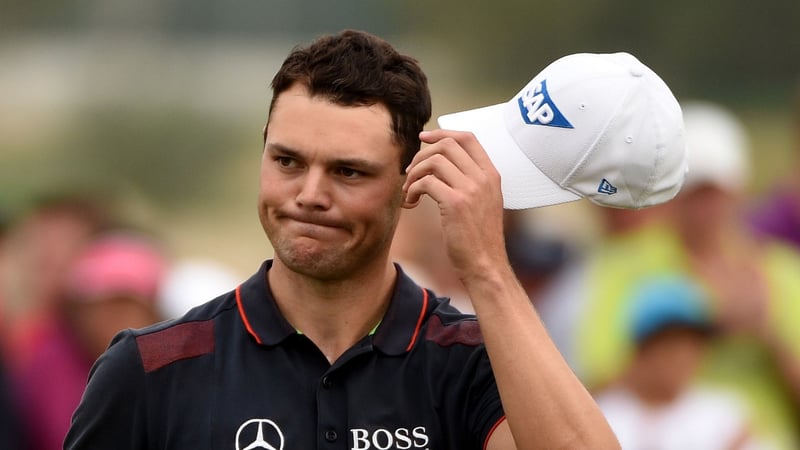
(706, 208)
(331, 185)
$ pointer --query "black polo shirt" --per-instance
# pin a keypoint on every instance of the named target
(234, 374)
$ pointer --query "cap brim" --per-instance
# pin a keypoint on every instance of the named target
(523, 184)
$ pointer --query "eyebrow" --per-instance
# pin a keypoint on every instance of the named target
(358, 163)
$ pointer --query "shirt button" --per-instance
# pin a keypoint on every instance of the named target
(331, 435)
(326, 382)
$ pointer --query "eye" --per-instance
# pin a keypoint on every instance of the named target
(347, 172)
(285, 161)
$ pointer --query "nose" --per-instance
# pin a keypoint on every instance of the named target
(314, 190)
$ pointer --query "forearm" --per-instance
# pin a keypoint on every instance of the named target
(546, 405)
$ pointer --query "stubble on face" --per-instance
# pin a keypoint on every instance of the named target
(337, 260)
(353, 227)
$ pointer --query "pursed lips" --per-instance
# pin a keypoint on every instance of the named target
(311, 226)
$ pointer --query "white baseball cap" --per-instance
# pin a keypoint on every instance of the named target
(718, 147)
(599, 126)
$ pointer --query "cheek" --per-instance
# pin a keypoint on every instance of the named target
(267, 178)
(270, 191)
(381, 206)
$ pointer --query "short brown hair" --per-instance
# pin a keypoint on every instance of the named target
(355, 68)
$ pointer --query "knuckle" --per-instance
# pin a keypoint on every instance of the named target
(448, 141)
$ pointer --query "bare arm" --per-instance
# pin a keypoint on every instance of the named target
(546, 405)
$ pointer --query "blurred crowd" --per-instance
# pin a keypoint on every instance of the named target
(71, 277)
(682, 319)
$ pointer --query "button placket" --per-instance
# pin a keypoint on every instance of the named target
(331, 435)
(331, 413)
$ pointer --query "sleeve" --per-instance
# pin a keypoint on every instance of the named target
(484, 410)
(111, 413)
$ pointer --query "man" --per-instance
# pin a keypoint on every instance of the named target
(330, 345)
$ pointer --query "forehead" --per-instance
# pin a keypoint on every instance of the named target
(313, 123)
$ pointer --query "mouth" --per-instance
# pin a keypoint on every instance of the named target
(310, 225)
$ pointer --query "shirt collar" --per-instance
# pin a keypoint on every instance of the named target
(397, 333)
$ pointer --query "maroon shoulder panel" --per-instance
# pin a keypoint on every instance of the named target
(465, 332)
(183, 341)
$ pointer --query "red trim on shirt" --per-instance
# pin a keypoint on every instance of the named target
(244, 316)
(419, 321)
(491, 431)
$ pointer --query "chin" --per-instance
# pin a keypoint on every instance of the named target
(319, 265)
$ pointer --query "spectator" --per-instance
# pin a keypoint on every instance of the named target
(41, 243)
(112, 285)
(658, 403)
(628, 245)
(752, 283)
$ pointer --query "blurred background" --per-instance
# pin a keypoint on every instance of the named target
(154, 110)
(159, 105)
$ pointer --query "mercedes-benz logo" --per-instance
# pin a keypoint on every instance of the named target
(256, 426)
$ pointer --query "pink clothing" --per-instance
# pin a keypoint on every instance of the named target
(117, 265)
(49, 382)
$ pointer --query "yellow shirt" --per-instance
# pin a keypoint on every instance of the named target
(737, 362)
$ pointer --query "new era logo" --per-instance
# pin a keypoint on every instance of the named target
(537, 108)
(606, 188)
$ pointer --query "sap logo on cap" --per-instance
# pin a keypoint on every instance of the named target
(606, 187)
(537, 108)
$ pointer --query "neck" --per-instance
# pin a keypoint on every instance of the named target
(334, 314)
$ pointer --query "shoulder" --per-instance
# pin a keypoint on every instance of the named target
(173, 340)
(703, 397)
(446, 326)
(722, 408)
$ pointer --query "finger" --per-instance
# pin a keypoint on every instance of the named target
(412, 199)
(452, 150)
(429, 185)
(440, 166)
(465, 139)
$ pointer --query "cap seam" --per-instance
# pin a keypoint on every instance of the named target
(658, 132)
(599, 139)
